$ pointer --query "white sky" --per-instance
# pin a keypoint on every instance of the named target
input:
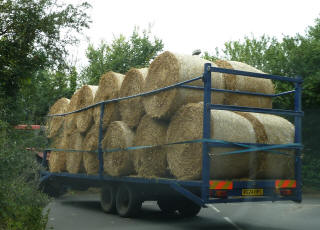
(185, 25)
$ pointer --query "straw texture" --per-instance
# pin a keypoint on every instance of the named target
(57, 160)
(185, 160)
(84, 119)
(150, 162)
(74, 161)
(55, 124)
(119, 163)
(70, 122)
(109, 87)
(170, 68)
(90, 143)
(132, 110)
(243, 83)
(278, 131)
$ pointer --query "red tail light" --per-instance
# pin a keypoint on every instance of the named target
(221, 193)
(286, 192)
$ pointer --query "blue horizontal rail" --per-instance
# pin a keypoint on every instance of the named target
(257, 75)
(238, 92)
(128, 97)
(106, 177)
(256, 110)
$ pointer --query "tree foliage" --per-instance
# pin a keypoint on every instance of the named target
(31, 39)
(45, 89)
(120, 55)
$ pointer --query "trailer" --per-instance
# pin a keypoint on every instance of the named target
(125, 195)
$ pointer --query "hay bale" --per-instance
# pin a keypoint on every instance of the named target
(278, 131)
(69, 121)
(55, 124)
(90, 143)
(150, 162)
(118, 135)
(109, 86)
(74, 161)
(185, 160)
(170, 68)
(86, 96)
(57, 159)
(250, 84)
(132, 110)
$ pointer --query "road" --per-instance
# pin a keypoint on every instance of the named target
(82, 212)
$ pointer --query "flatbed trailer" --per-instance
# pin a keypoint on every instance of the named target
(125, 194)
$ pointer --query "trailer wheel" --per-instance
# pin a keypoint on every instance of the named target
(187, 208)
(108, 199)
(167, 206)
(128, 203)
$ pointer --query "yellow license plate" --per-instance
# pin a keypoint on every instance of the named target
(252, 192)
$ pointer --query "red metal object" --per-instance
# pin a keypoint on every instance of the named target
(28, 127)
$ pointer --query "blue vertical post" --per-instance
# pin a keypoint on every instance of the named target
(100, 141)
(206, 132)
(298, 137)
(44, 158)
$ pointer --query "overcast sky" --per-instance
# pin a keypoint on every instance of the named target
(185, 25)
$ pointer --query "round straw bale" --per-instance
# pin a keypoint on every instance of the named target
(119, 163)
(74, 161)
(185, 160)
(55, 124)
(90, 143)
(86, 96)
(57, 159)
(109, 86)
(132, 110)
(279, 131)
(150, 162)
(69, 120)
(170, 68)
(249, 84)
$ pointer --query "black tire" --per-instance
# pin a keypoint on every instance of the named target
(128, 203)
(167, 206)
(187, 208)
(108, 199)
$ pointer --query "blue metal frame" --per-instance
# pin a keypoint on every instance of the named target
(207, 142)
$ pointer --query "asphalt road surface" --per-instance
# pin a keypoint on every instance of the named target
(83, 212)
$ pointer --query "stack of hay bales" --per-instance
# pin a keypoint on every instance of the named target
(55, 132)
(185, 161)
(118, 163)
(90, 143)
(151, 162)
(132, 110)
(168, 69)
(81, 122)
(109, 86)
(172, 116)
(249, 84)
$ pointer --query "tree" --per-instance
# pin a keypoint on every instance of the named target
(33, 72)
(120, 55)
(31, 40)
(45, 89)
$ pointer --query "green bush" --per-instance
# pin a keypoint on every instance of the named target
(21, 203)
